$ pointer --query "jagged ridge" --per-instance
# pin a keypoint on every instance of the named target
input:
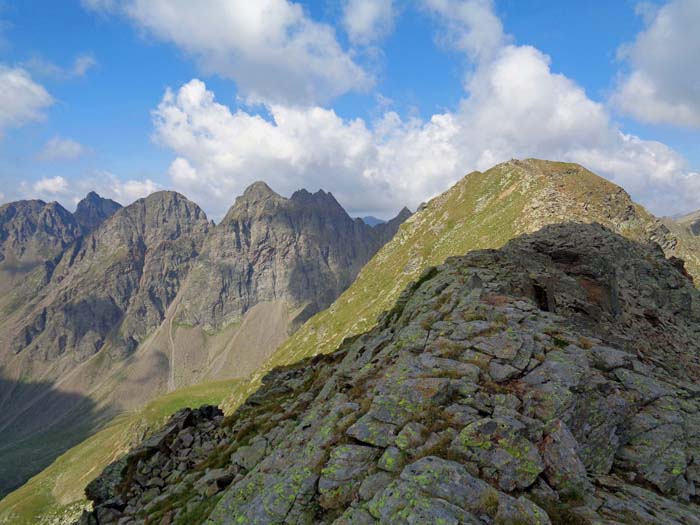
(304, 251)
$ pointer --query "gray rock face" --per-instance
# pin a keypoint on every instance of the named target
(93, 210)
(34, 231)
(305, 250)
(114, 285)
(410, 423)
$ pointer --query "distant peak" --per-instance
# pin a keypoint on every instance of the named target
(258, 191)
(318, 196)
(371, 220)
(164, 196)
(93, 210)
(95, 198)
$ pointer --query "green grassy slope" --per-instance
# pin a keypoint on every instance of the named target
(483, 210)
(56, 494)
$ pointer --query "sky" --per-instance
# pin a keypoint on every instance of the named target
(384, 103)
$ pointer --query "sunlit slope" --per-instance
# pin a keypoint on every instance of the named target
(56, 494)
(483, 210)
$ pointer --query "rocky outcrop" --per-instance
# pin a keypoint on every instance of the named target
(93, 210)
(552, 381)
(304, 251)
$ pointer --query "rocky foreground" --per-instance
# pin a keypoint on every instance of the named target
(553, 381)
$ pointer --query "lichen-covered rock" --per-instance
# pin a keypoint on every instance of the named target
(340, 476)
(484, 397)
(501, 448)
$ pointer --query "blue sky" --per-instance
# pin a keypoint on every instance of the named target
(382, 102)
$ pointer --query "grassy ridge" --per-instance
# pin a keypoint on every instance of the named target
(56, 494)
(483, 210)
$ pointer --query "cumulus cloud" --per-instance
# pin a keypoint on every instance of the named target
(22, 100)
(270, 48)
(50, 186)
(70, 192)
(367, 21)
(220, 152)
(109, 185)
(662, 84)
(62, 149)
(471, 26)
(514, 106)
(124, 192)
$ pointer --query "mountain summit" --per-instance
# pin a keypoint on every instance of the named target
(93, 210)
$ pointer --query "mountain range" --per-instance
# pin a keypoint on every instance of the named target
(109, 307)
(553, 376)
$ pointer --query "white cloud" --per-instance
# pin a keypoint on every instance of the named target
(367, 21)
(59, 148)
(130, 190)
(221, 152)
(70, 192)
(110, 186)
(21, 99)
(270, 48)
(50, 186)
(514, 106)
(663, 81)
(471, 26)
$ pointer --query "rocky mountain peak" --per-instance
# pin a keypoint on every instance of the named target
(551, 381)
(258, 191)
(123, 274)
(32, 231)
(93, 210)
(164, 215)
(321, 199)
(482, 210)
(304, 251)
(404, 214)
